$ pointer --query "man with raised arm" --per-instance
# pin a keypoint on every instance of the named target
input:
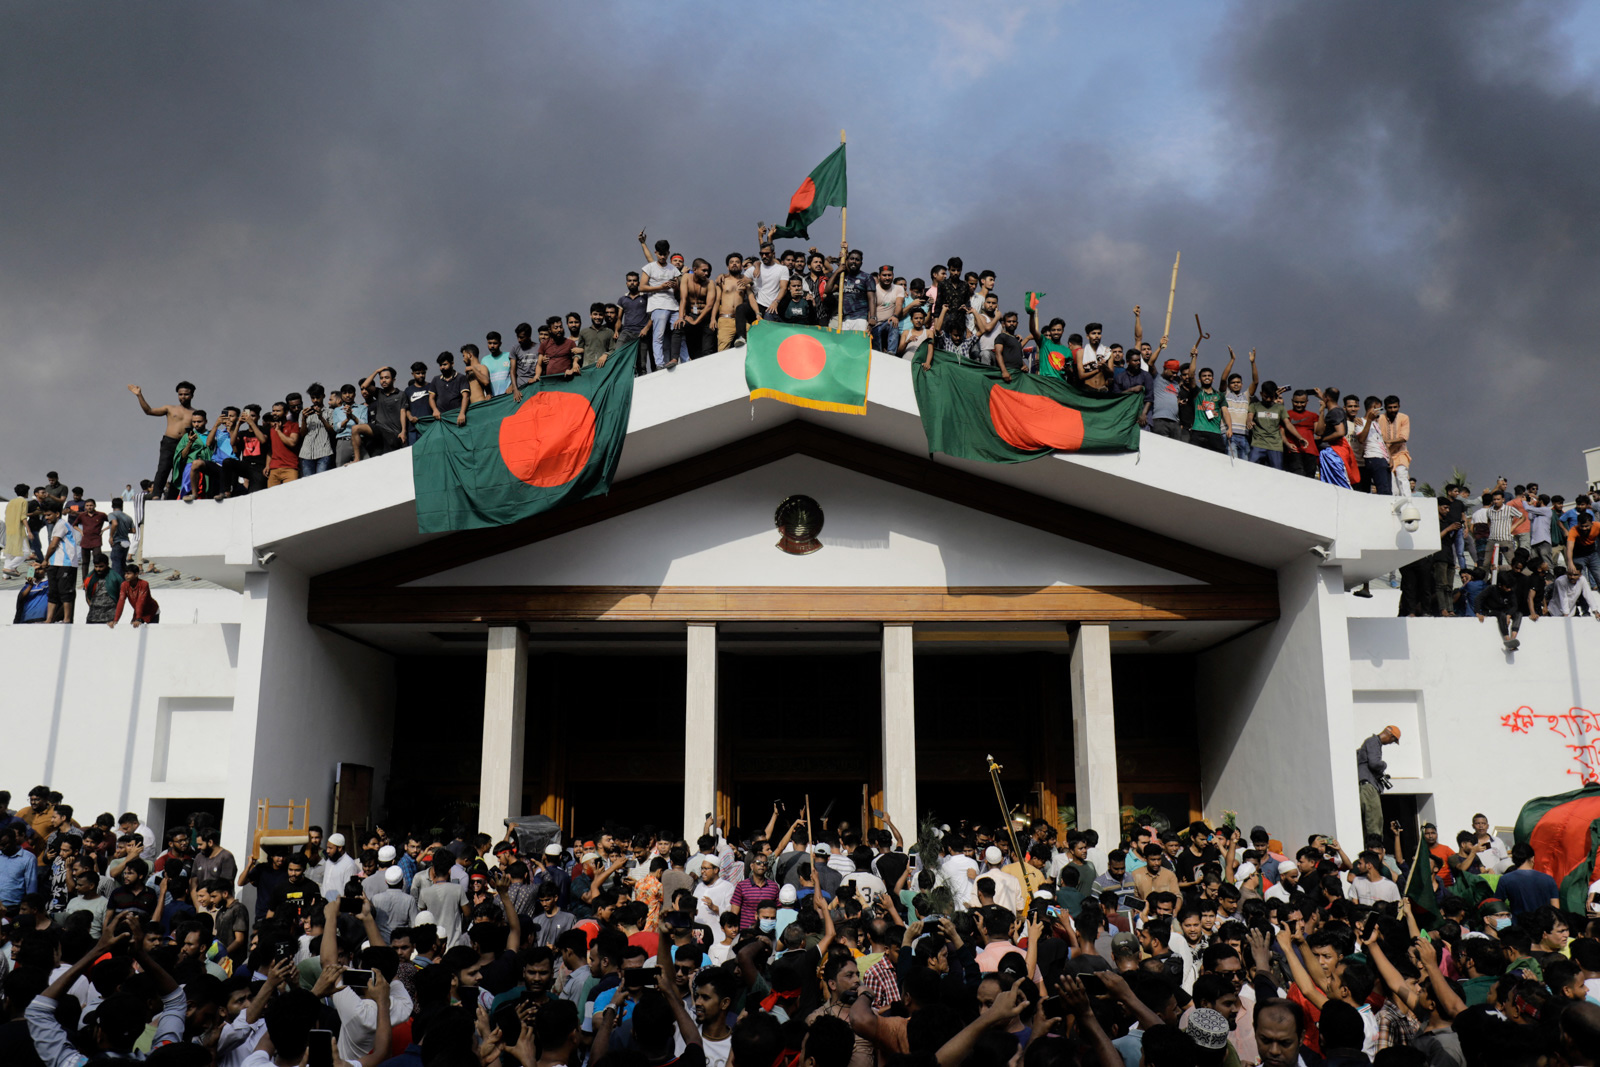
(178, 417)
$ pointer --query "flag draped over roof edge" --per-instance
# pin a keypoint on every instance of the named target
(809, 366)
(972, 412)
(511, 460)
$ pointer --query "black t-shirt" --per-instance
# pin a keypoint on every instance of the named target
(955, 295)
(1008, 350)
(795, 312)
(501, 973)
(890, 866)
(384, 409)
(1187, 861)
(447, 391)
(634, 313)
(1332, 419)
(266, 880)
(417, 400)
(140, 898)
(295, 900)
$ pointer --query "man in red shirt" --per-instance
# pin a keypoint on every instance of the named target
(556, 351)
(282, 440)
(90, 523)
(135, 593)
(1300, 457)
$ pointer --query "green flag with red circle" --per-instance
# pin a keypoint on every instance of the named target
(1564, 833)
(513, 459)
(973, 412)
(824, 187)
(809, 366)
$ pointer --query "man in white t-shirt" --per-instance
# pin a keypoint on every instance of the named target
(62, 556)
(660, 283)
(769, 277)
(1369, 885)
(960, 871)
(986, 321)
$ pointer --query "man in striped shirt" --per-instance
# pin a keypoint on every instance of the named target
(750, 894)
(1500, 518)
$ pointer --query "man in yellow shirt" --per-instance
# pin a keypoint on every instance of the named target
(16, 547)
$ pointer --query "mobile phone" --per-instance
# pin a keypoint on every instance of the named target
(283, 950)
(357, 979)
(638, 977)
(319, 1048)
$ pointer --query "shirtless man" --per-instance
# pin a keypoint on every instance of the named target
(694, 300)
(730, 292)
(178, 417)
(477, 389)
(1094, 361)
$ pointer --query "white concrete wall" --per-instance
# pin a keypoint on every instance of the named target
(308, 699)
(1274, 714)
(874, 534)
(115, 719)
(1481, 730)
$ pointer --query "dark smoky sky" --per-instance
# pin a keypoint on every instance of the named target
(1383, 197)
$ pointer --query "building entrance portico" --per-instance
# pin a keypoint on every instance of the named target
(609, 727)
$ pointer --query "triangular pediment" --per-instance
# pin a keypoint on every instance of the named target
(699, 534)
(875, 533)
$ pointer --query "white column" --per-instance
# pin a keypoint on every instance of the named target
(899, 729)
(505, 689)
(700, 729)
(1094, 733)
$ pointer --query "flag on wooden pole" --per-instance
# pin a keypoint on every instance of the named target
(824, 187)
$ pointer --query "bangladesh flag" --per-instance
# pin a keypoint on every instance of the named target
(514, 460)
(809, 366)
(972, 412)
(1564, 833)
(1417, 887)
(825, 186)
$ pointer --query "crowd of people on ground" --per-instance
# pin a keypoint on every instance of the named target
(790, 944)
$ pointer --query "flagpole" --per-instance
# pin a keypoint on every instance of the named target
(844, 214)
(1166, 331)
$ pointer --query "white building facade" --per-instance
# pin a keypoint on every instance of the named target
(1165, 631)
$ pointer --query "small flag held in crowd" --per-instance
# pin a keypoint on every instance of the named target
(514, 460)
(809, 366)
(1031, 300)
(825, 186)
(971, 412)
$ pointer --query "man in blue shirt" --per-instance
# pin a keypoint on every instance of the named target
(1524, 888)
(19, 870)
(1471, 589)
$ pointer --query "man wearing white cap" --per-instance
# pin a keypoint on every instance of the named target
(1007, 890)
(375, 883)
(392, 907)
(337, 868)
(787, 913)
(1288, 879)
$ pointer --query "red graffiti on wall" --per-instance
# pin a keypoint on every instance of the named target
(1576, 725)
